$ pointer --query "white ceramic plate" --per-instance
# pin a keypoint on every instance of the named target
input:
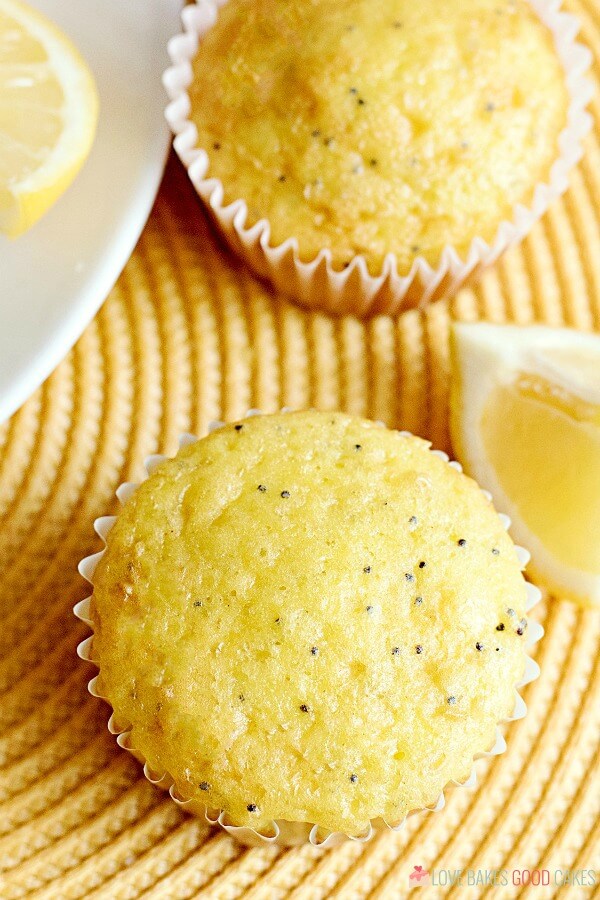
(54, 279)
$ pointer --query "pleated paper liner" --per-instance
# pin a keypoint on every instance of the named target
(316, 283)
(283, 833)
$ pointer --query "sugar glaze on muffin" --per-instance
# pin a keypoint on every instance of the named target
(379, 128)
(308, 617)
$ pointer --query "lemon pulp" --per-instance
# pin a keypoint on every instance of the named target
(553, 468)
(24, 136)
(48, 113)
(525, 422)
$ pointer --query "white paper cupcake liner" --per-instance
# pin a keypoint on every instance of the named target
(281, 832)
(317, 284)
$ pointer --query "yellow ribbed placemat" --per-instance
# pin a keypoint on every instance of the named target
(188, 336)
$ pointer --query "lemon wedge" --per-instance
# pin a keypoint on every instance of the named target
(48, 114)
(525, 421)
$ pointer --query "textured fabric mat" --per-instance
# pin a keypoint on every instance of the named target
(187, 336)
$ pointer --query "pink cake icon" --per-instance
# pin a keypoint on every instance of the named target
(419, 876)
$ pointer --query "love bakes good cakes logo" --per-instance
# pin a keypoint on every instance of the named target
(421, 877)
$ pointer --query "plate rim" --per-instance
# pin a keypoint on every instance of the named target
(86, 300)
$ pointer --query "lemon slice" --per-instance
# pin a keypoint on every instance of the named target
(525, 420)
(48, 114)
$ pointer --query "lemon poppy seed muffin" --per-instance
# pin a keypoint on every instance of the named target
(379, 128)
(308, 617)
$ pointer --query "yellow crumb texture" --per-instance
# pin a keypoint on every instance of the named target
(299, 616)
(396, 129)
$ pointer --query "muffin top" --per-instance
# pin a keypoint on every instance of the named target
(396, 132)
(309, 617)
